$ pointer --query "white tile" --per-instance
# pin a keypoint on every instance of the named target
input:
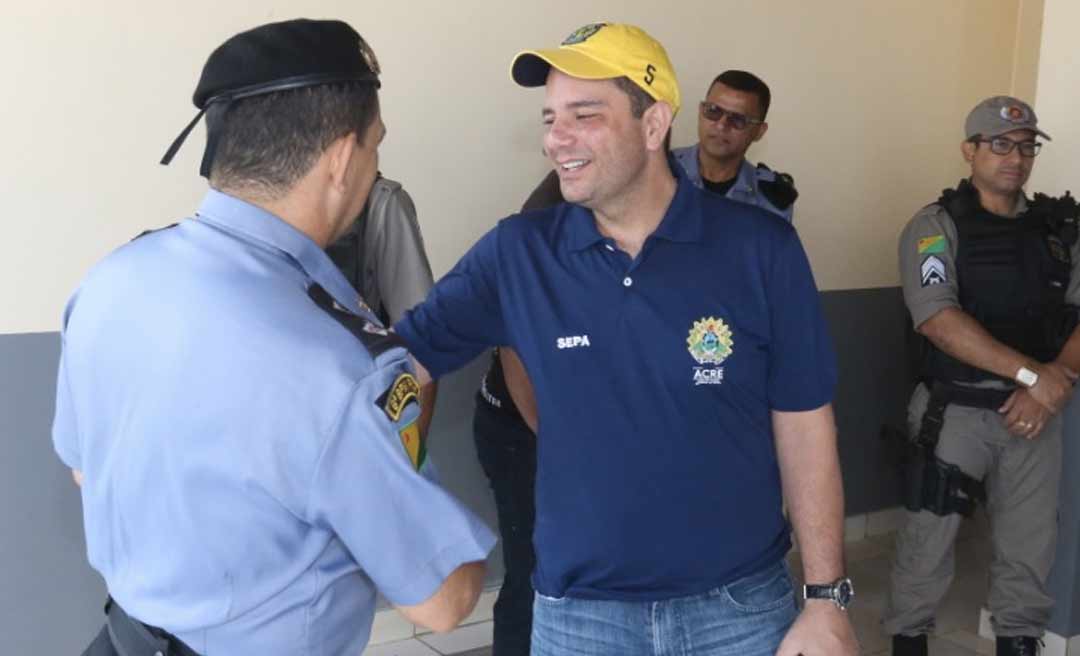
(461, 639)
(885, 521)
(971, 641)
(854, 528)
(1073, 648)
(484, 611)
(485, 608)
(390, 626)
(940, 647)
(1054, 645)
(411, 647)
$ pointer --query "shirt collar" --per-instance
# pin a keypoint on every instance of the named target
(746, 177)
(256, 225)
(682, 221)
(1021, 204)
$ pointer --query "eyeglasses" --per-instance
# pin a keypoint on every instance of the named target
(735, 120)
(1005, 145)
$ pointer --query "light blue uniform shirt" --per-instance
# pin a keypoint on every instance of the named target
(244, 487)
(745, 189)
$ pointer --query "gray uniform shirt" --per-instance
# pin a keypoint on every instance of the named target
(927, 254)
(395, 274)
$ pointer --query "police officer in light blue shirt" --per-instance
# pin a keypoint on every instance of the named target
(730, 119)
(242, 427)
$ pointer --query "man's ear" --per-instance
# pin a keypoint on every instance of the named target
(968, 149)
(762, 128)
(657, 121)
(339, 156)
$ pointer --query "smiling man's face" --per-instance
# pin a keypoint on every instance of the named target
(594, 142)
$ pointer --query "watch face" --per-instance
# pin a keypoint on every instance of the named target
(1027, 377)
(845, 592)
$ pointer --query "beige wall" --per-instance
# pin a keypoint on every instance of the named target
(1026, 53)
(869, 102)
(1058, 100)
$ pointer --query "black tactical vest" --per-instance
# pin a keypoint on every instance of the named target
(1012, 274)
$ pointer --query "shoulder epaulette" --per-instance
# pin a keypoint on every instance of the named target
(376, 339)
(780, 191)
(146, 232)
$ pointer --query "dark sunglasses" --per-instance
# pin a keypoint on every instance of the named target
(735, 120)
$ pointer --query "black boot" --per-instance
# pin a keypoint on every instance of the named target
(903, 645)
(1018, 646)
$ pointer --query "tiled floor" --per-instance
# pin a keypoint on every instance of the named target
(868, 561)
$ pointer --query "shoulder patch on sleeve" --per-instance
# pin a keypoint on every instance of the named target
(375, 338)
(147, 232)
(403, 391)
(933, 271)
(932, 244)
(780, 191)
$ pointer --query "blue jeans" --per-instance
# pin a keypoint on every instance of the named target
(748, 617)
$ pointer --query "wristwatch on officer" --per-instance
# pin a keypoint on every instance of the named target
(840, 592)
(1027, 377)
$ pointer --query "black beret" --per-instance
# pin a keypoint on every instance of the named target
(275, 57)
(296, 51)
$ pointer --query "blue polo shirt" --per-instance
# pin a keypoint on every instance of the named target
(247, 484)
(654, 377)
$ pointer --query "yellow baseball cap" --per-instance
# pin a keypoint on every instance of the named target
(601, 51)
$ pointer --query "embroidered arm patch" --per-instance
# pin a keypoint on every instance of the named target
(393, 401)
(931, 245)
(933, 271)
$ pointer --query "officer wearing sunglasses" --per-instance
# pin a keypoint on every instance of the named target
(730, 119)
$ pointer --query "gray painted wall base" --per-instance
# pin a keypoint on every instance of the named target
(870, 332)
(50, 600)
(1065, 575)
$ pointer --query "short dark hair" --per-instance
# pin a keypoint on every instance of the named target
(748, 83)
(639, 102)
(269, 142)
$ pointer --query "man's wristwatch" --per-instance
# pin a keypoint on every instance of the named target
(1027, 377)
(840, 592)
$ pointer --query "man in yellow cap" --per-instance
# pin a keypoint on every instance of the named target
(683, 376)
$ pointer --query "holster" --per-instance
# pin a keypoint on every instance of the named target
(931, 483)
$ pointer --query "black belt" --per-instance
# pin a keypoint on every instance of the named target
(973, 397)
(130, 637)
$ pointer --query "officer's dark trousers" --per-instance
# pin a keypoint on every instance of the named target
(123, 635)
(507, 451)
(1022, 491)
